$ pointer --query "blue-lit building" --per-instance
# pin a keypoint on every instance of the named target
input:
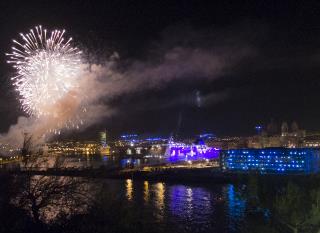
(271, 160)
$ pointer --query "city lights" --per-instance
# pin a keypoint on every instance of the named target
(182, 152)
(271, 160)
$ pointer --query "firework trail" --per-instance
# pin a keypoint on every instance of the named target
(47, 72)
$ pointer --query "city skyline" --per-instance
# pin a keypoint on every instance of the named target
(159, 116)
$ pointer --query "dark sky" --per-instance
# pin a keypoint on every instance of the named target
(276, 74)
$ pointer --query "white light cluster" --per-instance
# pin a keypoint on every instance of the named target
(47, 68)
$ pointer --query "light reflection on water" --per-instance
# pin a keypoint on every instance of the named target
(236, 207)
(189, 208)
(182, 208)
(191, 205)
(159, 189)
(146, 191)
(129, 188)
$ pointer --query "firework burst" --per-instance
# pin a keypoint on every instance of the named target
(46, 67)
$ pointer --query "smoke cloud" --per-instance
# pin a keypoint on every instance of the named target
(101, 83)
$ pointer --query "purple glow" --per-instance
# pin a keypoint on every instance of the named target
(181, 152)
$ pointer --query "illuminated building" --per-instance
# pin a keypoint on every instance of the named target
(105, 149)
(129, 138)
(103, 138)
(72, 147)
(129, 151)
(183, 152)
(139, 150)
(312, 140)
(292, 137)
(271, 160)
(139, 147)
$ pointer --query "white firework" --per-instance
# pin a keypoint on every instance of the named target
(47, 69)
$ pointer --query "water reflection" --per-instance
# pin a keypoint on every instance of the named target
(180, 208)
(191, 206)
(159, 189)
(236, 207)
(186, 208)
(189, 201)
(146, 192)
(129, 189)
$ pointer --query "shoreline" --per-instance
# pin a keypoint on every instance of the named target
(176, 175)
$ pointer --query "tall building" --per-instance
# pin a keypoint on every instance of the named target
(104, 148)
(103, 138)
(284, 129)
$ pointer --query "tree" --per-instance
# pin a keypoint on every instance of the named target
(45, 197)
(313, 221)
(291, 208)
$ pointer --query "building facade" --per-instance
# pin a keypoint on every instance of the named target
(271, 160)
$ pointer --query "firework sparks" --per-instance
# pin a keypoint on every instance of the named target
(47, 67)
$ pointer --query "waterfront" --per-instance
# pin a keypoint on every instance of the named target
(184, 200)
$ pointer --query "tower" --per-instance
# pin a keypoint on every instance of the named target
(284, 129)
(103, 138)
(104, 148)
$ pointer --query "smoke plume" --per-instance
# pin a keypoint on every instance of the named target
(101, 83)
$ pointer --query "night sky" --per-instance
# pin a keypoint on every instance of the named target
(272, 48)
